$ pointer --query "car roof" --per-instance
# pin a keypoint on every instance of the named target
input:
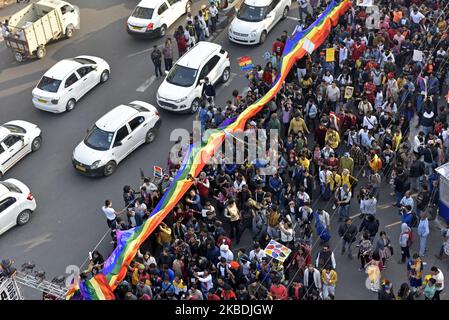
(116, 118)
(3, 191)
(61, 69)
(150, 3)
(258, 3)
(196, 56)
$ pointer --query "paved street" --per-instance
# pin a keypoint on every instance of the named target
(68, 222)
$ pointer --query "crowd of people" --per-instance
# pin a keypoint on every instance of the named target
(345, 135)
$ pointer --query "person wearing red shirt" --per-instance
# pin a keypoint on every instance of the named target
(182, 45)
(278, 47)
(228, 293)
(358, 49)
(278, 291)
(212, 296)
(370, 90)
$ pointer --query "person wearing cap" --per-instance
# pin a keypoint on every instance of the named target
(226, 253)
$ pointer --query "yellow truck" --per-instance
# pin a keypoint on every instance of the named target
(30, 29)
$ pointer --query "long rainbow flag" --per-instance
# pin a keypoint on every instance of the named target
(102, 285)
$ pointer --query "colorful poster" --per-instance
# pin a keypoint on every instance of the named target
(330, 55)
(277, 251)
(349, 91)
(157, 171)
(245, 63)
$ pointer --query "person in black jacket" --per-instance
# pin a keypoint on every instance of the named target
(415, 172)
(430, 155)
(401, 185)
(156, 57)
(347, 232)
(208, 91)
(371, 225)
(422, 200)
(386, 291)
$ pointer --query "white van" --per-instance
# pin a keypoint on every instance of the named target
(255, 19)
(181, 89)
(154, 17)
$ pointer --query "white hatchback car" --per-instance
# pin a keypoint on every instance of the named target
(181, 89)
(114, 136)
(17, 204)
(68, 81)
(17, 139)
(255, 19)
(154, 17)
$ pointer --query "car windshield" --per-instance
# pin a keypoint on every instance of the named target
(99, 139)
(251, 13)
(14, 129)
(11, 187)
(143, 13)
(49, 84)
(83, 60)
(182, 76)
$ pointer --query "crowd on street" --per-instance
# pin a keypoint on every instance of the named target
(345, 133)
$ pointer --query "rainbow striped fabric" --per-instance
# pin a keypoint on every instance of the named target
(101, 286)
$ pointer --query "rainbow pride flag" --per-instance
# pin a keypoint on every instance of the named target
(245, 63)
(129, 241)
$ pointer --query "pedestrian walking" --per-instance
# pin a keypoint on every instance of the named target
(156, 57)
(303, 11)
(110, 213)
(347, 232)
(423, 232)
(405, 241)
(168, 54)
(365, 251)
(329, 279)
(438, 275)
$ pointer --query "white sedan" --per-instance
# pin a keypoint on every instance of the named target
(114, 136)
(16, 204)
(17, 139)
(64, 84)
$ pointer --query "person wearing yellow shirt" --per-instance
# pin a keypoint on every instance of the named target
(347, 179)
(329, 280)
(397, 139)
(303, 161)
(332, 138)
(335, 181)
(298, 124)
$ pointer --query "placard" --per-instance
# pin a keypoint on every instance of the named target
(417, 55)
(349, 91)
(157, 171)
(330, 55)
(277, 251)
(9, 290)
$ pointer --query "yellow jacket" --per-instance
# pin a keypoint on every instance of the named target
(298, 125)
(332, 277)
(305, 163)
(335, 182)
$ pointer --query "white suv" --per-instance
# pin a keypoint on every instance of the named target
(255, 19)
(114, 136)
(154, 17)
(181, 89)
(16, 204)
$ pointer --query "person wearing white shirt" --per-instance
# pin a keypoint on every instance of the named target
(437, 274)
(206, 280)
(147, 258)
(150, 186)
(324, 218)
(328, 78)
(257, 253)
(213, 12)
(109, 212)
(226, 253)
(370, 121)
(416, 16)
(342, 55)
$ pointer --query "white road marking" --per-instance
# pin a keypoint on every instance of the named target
(140, 52)
(355, 216)
(292, 18)
(144, 86)
(384, 206)
(393, 224)
(231, 77)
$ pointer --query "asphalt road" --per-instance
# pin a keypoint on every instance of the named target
(68, 222)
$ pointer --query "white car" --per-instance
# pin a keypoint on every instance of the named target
(181, 89)
(154, 17)
(64, 84)
(255, 19)
(17, 204)
(17, 139)
(114, 136)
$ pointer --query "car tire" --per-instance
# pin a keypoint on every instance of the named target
(195, 105)
(225, 75)
(36, 144)
(70, 105)
(188, 7)
(162, 30)
(69, 31)
(263, 37)
(18, 56)
(41, 52)
(109, 168)
(23, 217)
(285, 12)
(104, 76)
(150, 136)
